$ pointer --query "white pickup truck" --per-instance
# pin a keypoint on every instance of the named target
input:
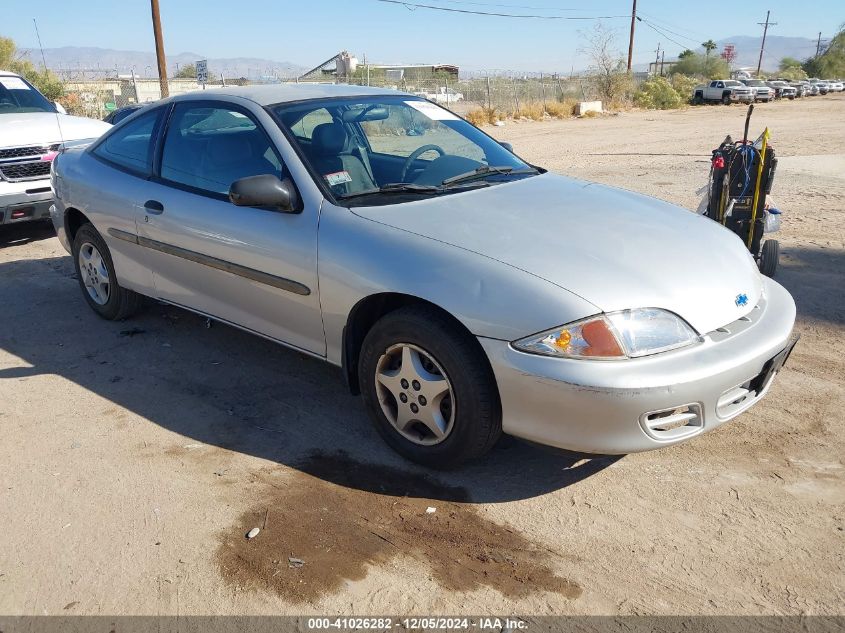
(32, 132)
(442, 95)
(726, 91)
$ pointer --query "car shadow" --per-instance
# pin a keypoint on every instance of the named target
(217, 385)
(815, 278)
(25, 232)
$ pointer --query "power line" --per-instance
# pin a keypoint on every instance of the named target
(408, 5)
(651, 26)
(668, 30)
(505, 6)
(664, 24)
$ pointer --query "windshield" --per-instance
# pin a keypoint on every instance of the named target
(17, 95)
(391, 149)
(755, 82)
(731, 84)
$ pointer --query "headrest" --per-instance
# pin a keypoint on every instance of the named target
(225, 149)
(328, 139)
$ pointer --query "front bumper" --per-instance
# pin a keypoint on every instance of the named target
(613, 406)
(744, 98)
(25, 201)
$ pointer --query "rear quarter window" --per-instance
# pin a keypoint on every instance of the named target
(131, 145)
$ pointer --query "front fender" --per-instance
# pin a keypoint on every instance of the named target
(359, 257)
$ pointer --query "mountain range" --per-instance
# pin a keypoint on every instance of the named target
(777, 47)
(88, 61)
(73, 61)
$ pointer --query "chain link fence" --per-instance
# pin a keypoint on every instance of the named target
(499, 96)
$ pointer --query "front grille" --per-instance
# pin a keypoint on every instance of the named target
(25, 171)
(21, 152)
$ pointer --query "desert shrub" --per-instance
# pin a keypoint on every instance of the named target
(533, 111)
(684, 85)
(483, 116)
(657, 93)
(561, 109)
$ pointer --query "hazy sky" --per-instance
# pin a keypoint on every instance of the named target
(307, 33)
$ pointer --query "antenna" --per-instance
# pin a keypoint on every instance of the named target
(38, 36)
(44, 61)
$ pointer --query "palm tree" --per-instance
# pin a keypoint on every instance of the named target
(709, 45)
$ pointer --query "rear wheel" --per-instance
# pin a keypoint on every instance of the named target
(97, 278)
(769, 257)
(428, 388)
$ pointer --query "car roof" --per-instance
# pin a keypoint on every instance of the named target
(287, 92)
(8, 73)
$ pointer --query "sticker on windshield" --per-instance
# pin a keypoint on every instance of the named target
(432, 111)
(337, 178)
(13, 83)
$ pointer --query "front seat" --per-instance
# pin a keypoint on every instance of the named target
(232, 156)
(343, 173)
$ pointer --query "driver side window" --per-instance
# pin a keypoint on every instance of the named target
(210, 147)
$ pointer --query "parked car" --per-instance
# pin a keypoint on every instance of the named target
(760, 90)
(801, 89)
(726, 91)
(430, 270)
(32, 130)
(834, 85)
(782, 89)
(822, 86)
(118, 115)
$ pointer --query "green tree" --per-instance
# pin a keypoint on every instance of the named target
(701, 66)
(686, 53)
(44, 80)
(188, 71)
(709, 47)
(789, 62)
(831, 63)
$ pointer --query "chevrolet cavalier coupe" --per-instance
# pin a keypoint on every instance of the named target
(463, 292)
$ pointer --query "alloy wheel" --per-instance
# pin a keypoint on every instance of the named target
(415, 394)
(95, 275)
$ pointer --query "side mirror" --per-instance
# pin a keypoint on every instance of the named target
(265, 190)
(59, 107)
(507, 146)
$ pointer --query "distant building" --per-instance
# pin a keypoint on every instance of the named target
(412, 72)
(660, 68)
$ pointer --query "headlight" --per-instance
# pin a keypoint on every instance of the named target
(617, 335)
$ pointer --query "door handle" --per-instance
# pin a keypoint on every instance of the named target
(153, 207)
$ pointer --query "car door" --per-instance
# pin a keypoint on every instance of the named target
(253, 267)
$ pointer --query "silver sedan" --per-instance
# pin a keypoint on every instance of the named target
(462, 291)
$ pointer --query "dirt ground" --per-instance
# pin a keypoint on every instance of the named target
(136, 455)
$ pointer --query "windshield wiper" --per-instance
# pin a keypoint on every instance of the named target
(486, 170)
(404, 187)
(394, 187)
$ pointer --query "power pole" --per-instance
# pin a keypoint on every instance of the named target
(819, 45)
(765, 26)
(657, 58)
(162, 62)
(662, 60)
(631, 41)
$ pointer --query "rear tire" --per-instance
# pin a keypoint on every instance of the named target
(417, 350)
(98, 279)
(769, 257)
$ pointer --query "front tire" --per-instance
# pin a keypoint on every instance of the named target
(726, 100)
(428, 388)
(769, 256)
(97, 277)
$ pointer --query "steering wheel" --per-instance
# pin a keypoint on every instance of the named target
(415, 155)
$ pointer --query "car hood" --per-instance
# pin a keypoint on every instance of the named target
(616, 249)
(43, 128)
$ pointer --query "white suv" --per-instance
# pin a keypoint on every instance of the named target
(32, 131)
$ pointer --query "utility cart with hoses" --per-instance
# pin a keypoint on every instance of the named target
(741, 176)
